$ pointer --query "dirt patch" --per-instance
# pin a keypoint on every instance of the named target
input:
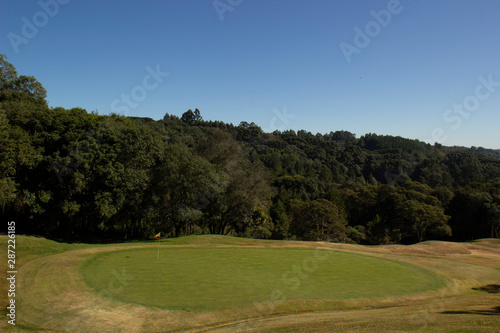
(485, 253)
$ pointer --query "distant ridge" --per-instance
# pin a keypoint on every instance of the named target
(495, 153)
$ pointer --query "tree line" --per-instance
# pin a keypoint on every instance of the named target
(79, 176)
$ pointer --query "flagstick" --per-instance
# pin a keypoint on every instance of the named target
(158, 254)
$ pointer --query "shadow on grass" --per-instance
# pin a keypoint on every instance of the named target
(490, 288)
(493, 312)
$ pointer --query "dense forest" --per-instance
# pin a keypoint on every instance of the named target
(75, 175)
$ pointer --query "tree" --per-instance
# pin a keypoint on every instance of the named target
(474, 211)
(280, 219)
(423, 219)
(188, 117)
(30, 86)
(7, 71)
(17, 156)
(492, 206)
(318, 220)
(12, 84)
(183, 184)
(260, 224)
(8, 191)
(197, 115)
(248, 188)
(248, 132)
(341, 136)
(191, 117)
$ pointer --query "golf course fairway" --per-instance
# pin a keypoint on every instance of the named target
(224, 284)
(208, 278)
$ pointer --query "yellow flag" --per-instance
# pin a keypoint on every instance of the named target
(158, 235)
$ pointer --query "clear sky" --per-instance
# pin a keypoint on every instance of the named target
(422, 69)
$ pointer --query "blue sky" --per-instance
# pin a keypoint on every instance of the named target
(428, 71)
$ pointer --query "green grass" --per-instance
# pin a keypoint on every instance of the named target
(215, 240)
(210, 277)
(29, 247)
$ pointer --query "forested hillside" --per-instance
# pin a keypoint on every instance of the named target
(74, 175)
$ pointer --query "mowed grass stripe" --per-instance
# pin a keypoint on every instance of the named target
(207, 278)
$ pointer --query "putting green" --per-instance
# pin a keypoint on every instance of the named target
(206, 278)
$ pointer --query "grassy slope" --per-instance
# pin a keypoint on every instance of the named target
(27, 249)
(54, 294)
